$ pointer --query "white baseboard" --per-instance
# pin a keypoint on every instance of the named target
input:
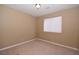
(18, 44)
(59, 44)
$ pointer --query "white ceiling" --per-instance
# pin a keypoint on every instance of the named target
(45, 8)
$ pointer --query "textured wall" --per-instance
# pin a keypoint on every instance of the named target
(15, 26)
(70, 25)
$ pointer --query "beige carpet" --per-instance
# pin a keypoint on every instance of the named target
(38, 47)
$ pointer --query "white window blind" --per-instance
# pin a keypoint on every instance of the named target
(53, 24)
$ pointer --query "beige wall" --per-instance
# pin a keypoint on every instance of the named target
(0, 24)
(15, 26)
(78, 35)
(70, 26)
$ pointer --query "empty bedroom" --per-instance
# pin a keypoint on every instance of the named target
(39, 29)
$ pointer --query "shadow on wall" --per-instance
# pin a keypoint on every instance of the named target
(15, 26)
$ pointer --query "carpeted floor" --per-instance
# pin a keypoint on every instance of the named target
(38, 47)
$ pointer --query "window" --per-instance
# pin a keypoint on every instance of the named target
(53, 24)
